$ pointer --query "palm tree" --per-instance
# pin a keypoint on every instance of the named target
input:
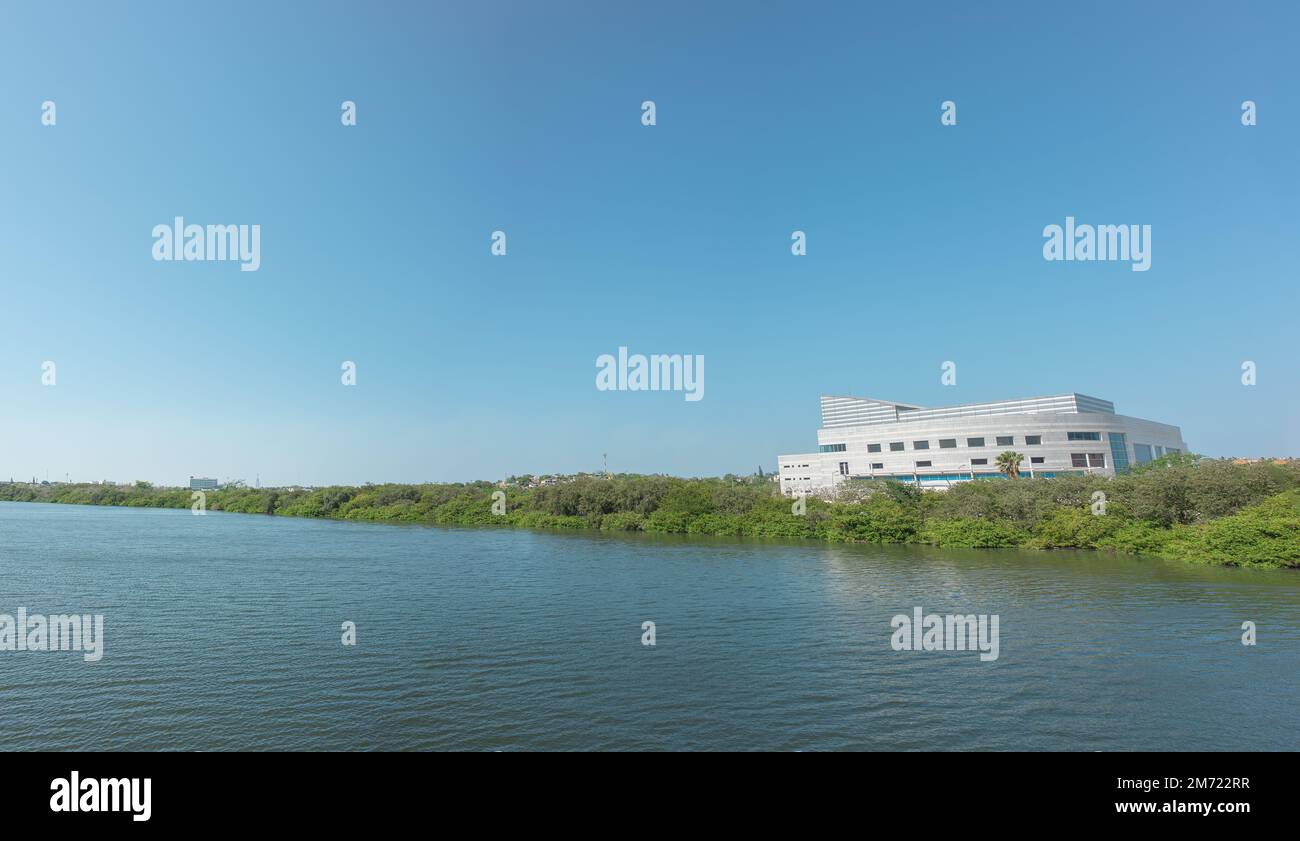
(1009, 463)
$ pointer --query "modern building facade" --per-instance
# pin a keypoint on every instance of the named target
(1069, 433)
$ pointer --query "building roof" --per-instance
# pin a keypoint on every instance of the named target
(863, 411)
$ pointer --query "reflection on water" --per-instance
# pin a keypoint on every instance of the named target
(223, 632)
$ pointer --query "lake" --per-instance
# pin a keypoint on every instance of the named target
(223, 632)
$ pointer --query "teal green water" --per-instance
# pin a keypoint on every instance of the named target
(223, 632)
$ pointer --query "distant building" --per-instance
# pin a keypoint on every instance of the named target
(197, 484)
(1058, 435)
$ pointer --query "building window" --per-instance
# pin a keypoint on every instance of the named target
(920, 445)
(923, 464)
(1033, 440)
(877, 465)
(1142, 453)
(1096, 460)
(1036, 460)
(844, 468)
(974, 442)
(1006, 440)
(1118, 451)
(833, 448)
(895, 446)
(873, 448)
(1083, 436)
(947, 443)
(975, 461)
(1078, 460)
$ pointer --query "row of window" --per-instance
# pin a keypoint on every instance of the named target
(1076, 460)
(931, 478)
(939, 477)
(951, 443)
(1085, 460)
(974, 461)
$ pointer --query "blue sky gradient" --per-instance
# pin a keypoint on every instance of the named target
(924, 241)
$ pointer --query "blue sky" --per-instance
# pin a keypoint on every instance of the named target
(924, 241)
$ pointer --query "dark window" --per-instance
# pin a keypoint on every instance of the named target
(873, 448)
(895, 446)
(979, 461)
(833, 448)
(923, 464)
(1032, 440)
(1096, 460)
(1036, 460)
(1083, 436)
(1006, 440)
(877, 465)
(844, 468)
(1078, 460)
(947, 443)
(920, 445)
(974, 442)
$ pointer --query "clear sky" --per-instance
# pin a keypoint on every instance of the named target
(924, 241)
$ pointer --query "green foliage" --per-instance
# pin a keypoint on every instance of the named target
(973, 533)
(1179, 489)
(772, 518)
(1179, 506)
(622, 521)
(1264, 535)
(720, 525)
(880, 519)
(668, 522)
(1136, 538)
(462, 511)
(1075, 528)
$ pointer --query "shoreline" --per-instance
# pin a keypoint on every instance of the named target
(1195, 510)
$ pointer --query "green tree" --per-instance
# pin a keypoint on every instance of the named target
(1009, 463)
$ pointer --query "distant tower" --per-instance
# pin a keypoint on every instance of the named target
(604, 458)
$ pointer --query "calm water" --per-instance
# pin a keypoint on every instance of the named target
(223, 632)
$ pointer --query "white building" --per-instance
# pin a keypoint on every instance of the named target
(1070, 433)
